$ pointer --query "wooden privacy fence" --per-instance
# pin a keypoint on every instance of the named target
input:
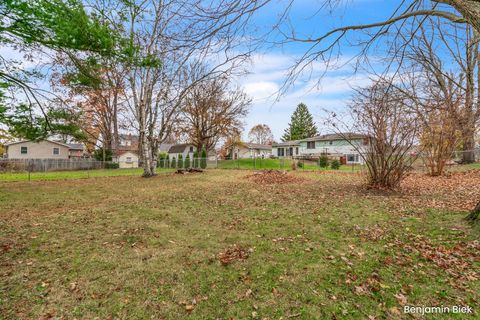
(43, 165)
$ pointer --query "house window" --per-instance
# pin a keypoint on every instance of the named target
(56, 151)
(352, 157)
(310, 144)
(296, 150)
(191, 149)
(330, 142)
(129, 159)
(280, 152)
(23, 150)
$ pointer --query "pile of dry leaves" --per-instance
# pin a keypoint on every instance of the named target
(233, 253)
(272, 177)
(456, 191)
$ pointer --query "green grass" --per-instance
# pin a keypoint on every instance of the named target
(79, 174)
(134, 248)
(278, 164)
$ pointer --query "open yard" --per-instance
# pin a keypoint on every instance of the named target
(227, 244)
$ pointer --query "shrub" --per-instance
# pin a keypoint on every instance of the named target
(111, 165)
(180, 161)
(173, 164)
(162, 157)
(98, 154)
(300, 164)
(195, 159)
(203, 160)
(323, 162)
(335, 164)
(187, 161)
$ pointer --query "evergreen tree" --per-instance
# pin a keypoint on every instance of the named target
(195, 159)
(203, 160)
(301, 125)
(187, 161)
(180, 161)
(174, 163)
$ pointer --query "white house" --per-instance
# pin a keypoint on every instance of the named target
(127, 159)
(343, 146)
(183, 149)
(244, 150)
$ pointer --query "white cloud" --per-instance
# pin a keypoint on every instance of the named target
(319, 90)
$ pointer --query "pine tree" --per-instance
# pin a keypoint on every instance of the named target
(174, 163)
(180, 161)
(203, 160)
(187, 161)
(301, 125)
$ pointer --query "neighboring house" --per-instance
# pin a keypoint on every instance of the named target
(76, 150)
(286, 149)
(45, 149)
(181, 149)
(127, 159)
(338, 146)
(244, 150)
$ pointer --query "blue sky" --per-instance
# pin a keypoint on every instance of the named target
(330, 90)
(320, 87)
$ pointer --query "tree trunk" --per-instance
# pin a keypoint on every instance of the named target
(474, 215)
(468, 155)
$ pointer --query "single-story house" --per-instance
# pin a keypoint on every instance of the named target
(127, 159)
(44, 149)
(342, 146)
(244, 150)
(181, 149)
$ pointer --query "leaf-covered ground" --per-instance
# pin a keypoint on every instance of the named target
(221, 245)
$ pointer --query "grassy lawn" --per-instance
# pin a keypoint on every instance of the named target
(79, 174)
(320, 248)
(278, 164)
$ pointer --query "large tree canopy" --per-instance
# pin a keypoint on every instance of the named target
(45, 26)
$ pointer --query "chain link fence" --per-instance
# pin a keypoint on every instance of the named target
(91, 167)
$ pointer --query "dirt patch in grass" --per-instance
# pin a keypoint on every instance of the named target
(273, 177)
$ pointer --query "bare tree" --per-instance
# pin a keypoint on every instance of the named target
(390, 131)
(212, 111)
(261, 133)
(165, 37)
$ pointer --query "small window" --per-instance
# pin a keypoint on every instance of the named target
(296, 150)
(310, 144)
(191, 149)
(351, 158)
(280, 152)
(56, 151)
(330, 142)
(129, 159)
(23, 150)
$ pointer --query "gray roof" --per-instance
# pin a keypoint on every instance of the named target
(51, 141)
(257, 146)
(287, 143)
(75, 146)
(337, 136)
(179, 148)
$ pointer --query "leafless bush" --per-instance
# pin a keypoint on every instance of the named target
(390, 128)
